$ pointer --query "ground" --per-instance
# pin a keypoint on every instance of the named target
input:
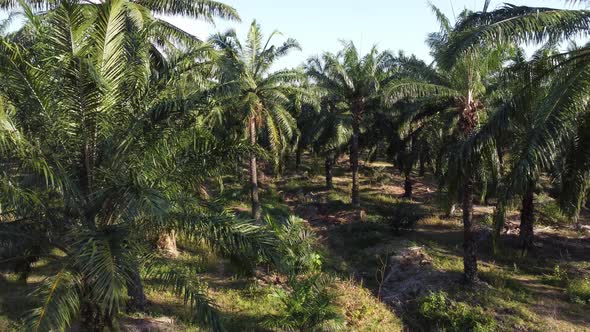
(520, 291)
(544, 290)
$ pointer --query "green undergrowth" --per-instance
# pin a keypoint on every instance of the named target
(509, 298)
(549, 212)
(249, 304)
(576, 285)
(439, 312)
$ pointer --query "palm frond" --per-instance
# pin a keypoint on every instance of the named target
(415, 89)
(61, 304)
(229, 236)
(517, 24)
(200, 9)
(186, 286)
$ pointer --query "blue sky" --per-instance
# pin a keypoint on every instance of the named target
(318, 25)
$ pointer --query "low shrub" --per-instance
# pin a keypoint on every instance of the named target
(487, 220)
(578, 290)
(403, 216)
(550, 214)
(299, 246)
(558, 277)
(444, 314)
(308, 307)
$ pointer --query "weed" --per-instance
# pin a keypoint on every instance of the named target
(404, 216)
(298, 244)
(334, 196)
(550, 214)
(578, 290)
(308, 307)
(558, 277)
(498, 279)
(487, 220)
(442, 313)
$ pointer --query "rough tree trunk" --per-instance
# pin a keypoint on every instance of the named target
(422, 166)
(281, 167)
(329, 177)
(469, 241)
(527, 218)
(298, 154)
(500, 158)
(91, 318)
(137, 301)
(408, 183)
(438, 165)
(467, 123)
(254, 174)
(354, 154)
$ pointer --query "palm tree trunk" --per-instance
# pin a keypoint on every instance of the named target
(254, 174)
(281, 166)
(467, 123)
(298, 153)
(85, 178)
(438, 165)
(138, 301)
(91, 318)
(576, 213)
(329, 177)
(422, 170)
(500, 158)
(354, 155)
(469, 241)
(527, 218)
(408, 186)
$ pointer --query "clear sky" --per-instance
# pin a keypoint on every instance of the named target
(318, 25)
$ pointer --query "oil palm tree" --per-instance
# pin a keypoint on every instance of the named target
(306, 114)
(324, 127)
(557, 133)
(575, 174)
(412, 126)
(464, 82)
(256, 94)
(521, 91)
(329, 132)
(354, 81)
(404, 140)
(333, 134)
